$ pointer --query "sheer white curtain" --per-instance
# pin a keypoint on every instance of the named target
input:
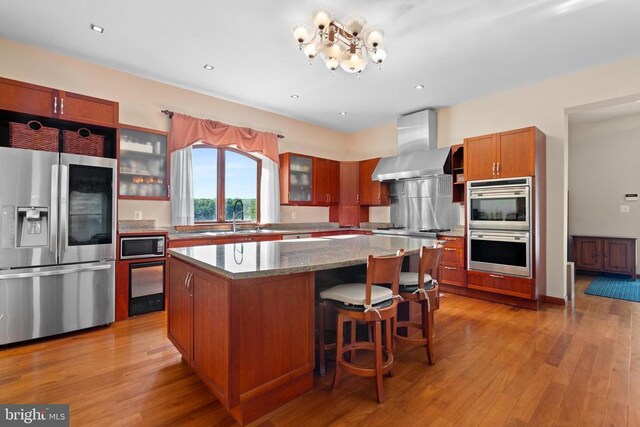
(182, 187)
(269, 190)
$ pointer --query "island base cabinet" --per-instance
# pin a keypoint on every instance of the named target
(180, 311)
(252, 340)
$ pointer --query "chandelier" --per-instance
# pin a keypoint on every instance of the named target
(347, 46)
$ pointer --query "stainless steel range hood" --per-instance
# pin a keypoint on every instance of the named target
(417, 152)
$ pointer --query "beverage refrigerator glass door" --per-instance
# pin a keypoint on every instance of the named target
(503, 204)
(506, 252)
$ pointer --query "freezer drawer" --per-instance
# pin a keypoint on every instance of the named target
(39, 302)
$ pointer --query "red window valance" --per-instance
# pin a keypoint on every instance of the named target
(187, 130)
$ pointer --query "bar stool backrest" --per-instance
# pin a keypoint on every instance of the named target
(429, 263)
(384, 271)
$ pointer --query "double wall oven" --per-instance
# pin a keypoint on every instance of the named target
(499, 218)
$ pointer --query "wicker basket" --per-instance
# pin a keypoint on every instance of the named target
(33, 136)
(82, 141)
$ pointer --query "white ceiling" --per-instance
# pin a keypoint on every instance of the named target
(458, 49)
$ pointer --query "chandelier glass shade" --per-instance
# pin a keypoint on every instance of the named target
(349, 46)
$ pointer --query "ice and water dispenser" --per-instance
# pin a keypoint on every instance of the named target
(32, 227)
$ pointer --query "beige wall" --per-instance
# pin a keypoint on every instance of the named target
(142, 99)
(603, 167)
(543, 105)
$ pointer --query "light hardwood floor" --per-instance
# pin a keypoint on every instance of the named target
(495, 365)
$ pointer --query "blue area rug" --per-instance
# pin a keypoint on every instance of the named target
(615, 286)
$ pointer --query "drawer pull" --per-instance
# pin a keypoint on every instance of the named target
(448, 268)
(496, 276)
(449, 249)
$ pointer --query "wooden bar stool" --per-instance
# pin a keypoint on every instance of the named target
(422, 288)
(367, 302)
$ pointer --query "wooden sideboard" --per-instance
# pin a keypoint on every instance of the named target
(605, 254)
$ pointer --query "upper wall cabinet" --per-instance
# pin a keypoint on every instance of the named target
(326, 182)
(372, 193)
(502, 155)
(296, 179)
(143, 164)
(47, 102)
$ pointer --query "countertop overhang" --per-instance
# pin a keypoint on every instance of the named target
(274, 258)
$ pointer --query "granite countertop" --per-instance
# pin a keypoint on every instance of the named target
(145, 230)
(452, 233)
(177, 235)
(274, 258)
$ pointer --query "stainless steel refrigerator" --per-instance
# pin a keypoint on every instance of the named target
(57, 243)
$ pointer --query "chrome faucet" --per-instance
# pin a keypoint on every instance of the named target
(235, 213)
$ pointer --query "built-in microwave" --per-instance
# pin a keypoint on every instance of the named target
(142, 247)
(506, 252)
(499, 204)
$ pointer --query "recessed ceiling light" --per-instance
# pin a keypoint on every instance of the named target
(295, 96)
(420, 87)
(208, 67)
(343, 113)
(96, 28)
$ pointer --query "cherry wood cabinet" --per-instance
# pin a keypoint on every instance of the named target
(349, 183)
(502, 155)
(480, 157)
(47, 102)
(180, 310)
(26, 98)
(372, 193)
(326, 182)
(251, 341)
(452, 263)
(296, 179)
(350, 212)
(497, 283)
(605, 254)
(457, 170)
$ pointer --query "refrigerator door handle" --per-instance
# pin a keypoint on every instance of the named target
(61, 271)
(53, 215)
(64, 210)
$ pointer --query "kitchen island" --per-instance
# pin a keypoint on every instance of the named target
(242, 314)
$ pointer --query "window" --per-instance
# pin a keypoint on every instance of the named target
(224, 178)
(205, 184)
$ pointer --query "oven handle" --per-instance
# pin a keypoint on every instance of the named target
(501, 238)
(496, 194)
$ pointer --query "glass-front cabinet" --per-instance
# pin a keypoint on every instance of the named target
(297, 177)
(143, 163)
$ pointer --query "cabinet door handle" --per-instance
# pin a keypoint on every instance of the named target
(61, 105)
(55, 105)
(190, 284)
(496, 276)
(357, 198)
(186, 278)
(498, 168)
(493, 169)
